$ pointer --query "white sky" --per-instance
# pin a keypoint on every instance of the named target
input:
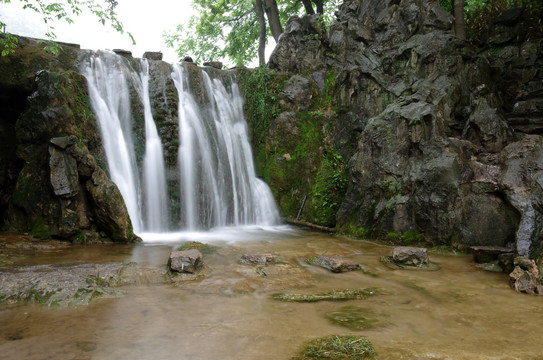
(145, 19)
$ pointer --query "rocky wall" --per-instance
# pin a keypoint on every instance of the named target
(53, 182)
(443, 140)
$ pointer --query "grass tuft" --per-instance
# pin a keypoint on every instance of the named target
(335, 347)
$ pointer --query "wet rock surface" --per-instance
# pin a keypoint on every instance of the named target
(186, 261)
(525, 277)
(447, 140)
(71, 284)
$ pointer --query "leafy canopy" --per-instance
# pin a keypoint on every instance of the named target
(62, 10)
(228, 30)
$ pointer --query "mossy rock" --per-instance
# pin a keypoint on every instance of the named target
(335, 347)
(195, 245)
(339, 295)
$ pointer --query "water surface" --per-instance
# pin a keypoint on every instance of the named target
(458, 312)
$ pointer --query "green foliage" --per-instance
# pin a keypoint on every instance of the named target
(329, 189)
(409, 237)
(336, 347)
(40, 229)
(219, 31)
(228, 30)
(480, 15)
(261, 88)
(63, 10)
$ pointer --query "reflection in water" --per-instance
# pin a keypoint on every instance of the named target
(458, 312)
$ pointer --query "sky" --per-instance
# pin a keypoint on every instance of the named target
(145, 19)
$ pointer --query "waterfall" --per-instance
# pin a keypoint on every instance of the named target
(110, 101)
(216, 177)
(154, 178)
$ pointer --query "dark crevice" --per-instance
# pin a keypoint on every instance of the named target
(13, 102)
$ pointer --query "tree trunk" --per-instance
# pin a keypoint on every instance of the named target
(320, 6)
(459, 23)
(262, 38)
(308, 7)
(272, 12)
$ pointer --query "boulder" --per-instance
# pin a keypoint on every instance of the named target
(485, 254)
(186, 261)
(335, 264)
(410, 256)
(525, 277)
(109, 207)
(257, 259)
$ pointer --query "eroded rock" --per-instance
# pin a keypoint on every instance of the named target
(525, 277)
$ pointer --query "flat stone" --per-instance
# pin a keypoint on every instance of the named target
(486, 254)
(257, 259)
(215, 64)
(186, 261)
(152, 55)
(412, 256)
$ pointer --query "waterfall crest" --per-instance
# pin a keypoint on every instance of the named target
(216, 182)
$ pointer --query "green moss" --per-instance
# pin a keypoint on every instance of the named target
(353, 317)
(340, 295)
(410, 237)
(40, 229)
(328, 191)
(203, 248)
(336, 347)
(40, 297)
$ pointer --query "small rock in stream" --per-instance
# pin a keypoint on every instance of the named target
(186, 261)
(335, 264)
(257, 259)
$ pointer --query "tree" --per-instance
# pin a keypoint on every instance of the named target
(63, 10)
(237, 30)
(459, 21)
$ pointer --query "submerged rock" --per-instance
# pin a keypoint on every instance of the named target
(72, 284)
(335, 264)
(257, 259)
(186, 261)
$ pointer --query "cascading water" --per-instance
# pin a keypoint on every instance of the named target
(154, 177)
(217, 180)
(110, 100)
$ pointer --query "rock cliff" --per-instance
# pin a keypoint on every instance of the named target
(443, 141)
(51, 181)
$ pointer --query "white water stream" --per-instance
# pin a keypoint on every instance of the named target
(218, 186)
